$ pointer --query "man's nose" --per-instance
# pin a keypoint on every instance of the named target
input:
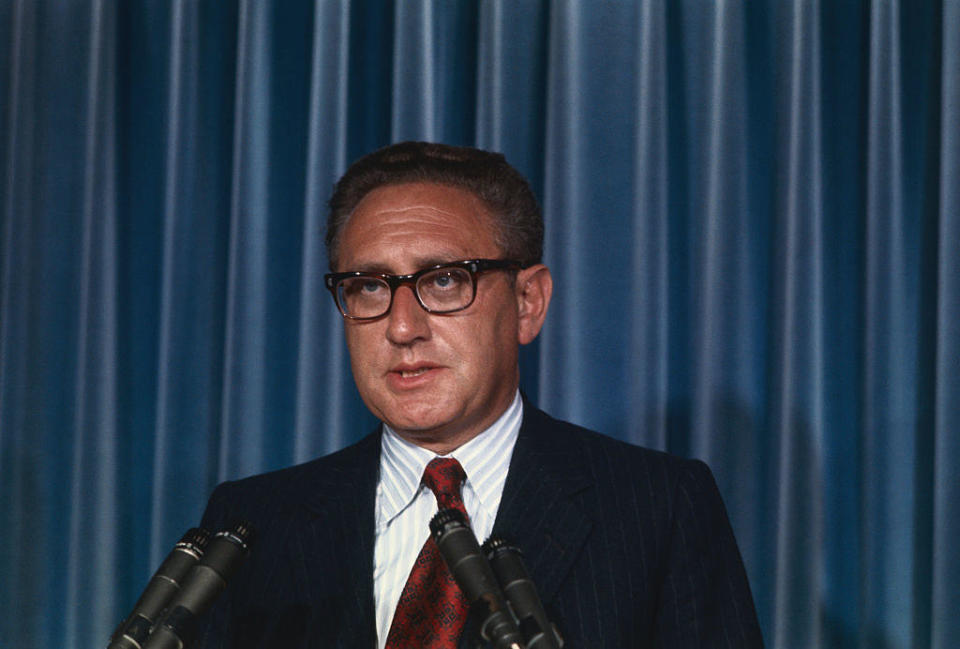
(407, 320)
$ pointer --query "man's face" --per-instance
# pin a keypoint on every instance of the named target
(438, 380)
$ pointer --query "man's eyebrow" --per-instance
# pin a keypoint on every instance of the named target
(383, 269)
(369, 268)
(437, 261)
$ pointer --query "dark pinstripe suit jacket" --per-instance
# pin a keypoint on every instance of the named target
(628, 547)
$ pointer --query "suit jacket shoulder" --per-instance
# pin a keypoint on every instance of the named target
(630, 547)
(270, 496)
(308, 581)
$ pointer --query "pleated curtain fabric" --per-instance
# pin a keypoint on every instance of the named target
(753, 226)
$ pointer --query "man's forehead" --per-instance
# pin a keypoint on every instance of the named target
(415, 226)
(404, 196)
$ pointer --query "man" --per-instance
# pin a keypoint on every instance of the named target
(436, 259)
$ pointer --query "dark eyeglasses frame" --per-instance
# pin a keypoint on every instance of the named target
(473, 266)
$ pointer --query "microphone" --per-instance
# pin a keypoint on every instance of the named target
(164, 584)
(507, 564)
(470, 569)
(206, 581)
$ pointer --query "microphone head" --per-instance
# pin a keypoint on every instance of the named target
(240, 532)
(496, 544)
(164, 586)
(444, 520)
(194, 541)
(506, 561)
(221, 560)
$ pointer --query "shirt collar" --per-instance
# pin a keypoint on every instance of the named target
(485, 459)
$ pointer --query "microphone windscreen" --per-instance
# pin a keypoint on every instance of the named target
(204, 583)
(506, 561)
(160, 590)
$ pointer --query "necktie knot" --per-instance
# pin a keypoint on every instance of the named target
(443, 476)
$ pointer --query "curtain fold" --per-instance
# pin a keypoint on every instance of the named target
(752, 223)
(649, 272)
(94, 443)
(889, 343)
(187, 345)
(321, 393)
(798, 364)
(945, 473)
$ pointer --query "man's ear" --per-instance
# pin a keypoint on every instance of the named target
(534, 287)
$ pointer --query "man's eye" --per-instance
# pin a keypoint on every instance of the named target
(363, 287)
(445, 280)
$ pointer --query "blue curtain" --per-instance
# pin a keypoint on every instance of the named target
(753, 218)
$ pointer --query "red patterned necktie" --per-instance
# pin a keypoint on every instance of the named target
(432, 610)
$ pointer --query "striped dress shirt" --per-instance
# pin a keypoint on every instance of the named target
(404, 507)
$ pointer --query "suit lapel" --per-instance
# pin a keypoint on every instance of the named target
(338, 540)
(539, 511)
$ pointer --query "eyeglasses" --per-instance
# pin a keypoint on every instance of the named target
(444, 288)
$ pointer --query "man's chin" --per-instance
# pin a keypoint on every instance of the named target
(433, 432)
(422, 412)
(422, 429)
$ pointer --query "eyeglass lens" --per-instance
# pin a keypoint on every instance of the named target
(441, 290)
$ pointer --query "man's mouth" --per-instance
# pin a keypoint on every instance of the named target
(410, 373)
